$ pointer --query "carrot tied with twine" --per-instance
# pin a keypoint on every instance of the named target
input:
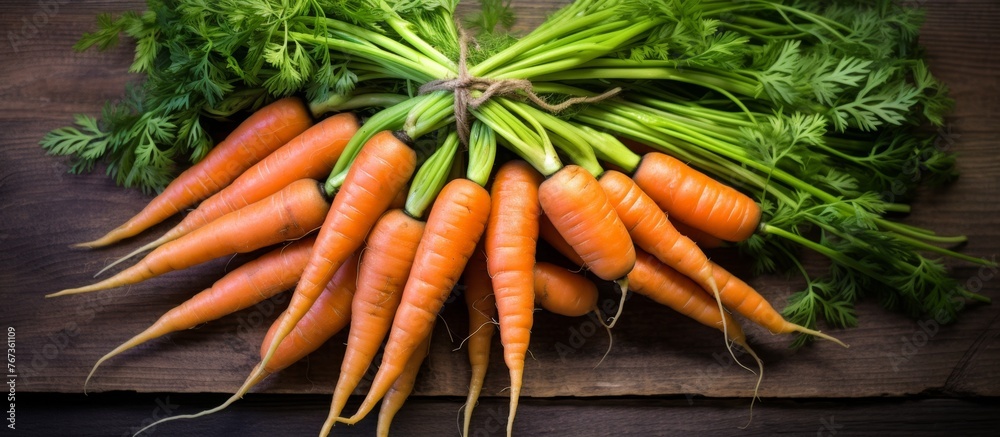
(464, 83)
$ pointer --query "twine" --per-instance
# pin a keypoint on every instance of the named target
(463, 85)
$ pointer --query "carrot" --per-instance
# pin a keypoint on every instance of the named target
(309, 155)
(704, 239)
(481, 303)
(668, 287)
(511, 235)
(652, 231)
(746, 301)
(286, 215)
(381, 169)
(328, 315)
(697, 199)
(249, 284)
(569, 294)
(455, 224)
(563, 292)
(401, 389)
(386, 263)
(548, 232)
(579, 209)
(264, 131)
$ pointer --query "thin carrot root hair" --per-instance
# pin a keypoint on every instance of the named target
(760, 375)
(607, 327)
(802, 329)
(258, 375)
(623, 286)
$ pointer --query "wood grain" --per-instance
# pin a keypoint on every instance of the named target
(267, 415)
(656, 353)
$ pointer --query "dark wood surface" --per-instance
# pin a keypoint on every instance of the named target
(896, 370)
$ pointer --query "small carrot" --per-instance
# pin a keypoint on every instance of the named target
(563, 292)
(697, 199)
(387, 259)
(455, 224)
(286, 215)
(569, 294)
(574, 202)
(264, 131)
(481, 304)
(379, 172)
(328, 315)
(247, 285)
(401, 389)
(511, 235)
(309, 155)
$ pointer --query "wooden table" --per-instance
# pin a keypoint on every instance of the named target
(664, 375)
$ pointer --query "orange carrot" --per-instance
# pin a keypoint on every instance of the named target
(649, 228)
(309, 155)
(247, 285)
(667, 286)
(286, 215)
(564, 292)
(401, 389)
(264, 131)
(387, 259)
(744, 300)
(511, 235)
(579, 209)
(697, 199)
(548, 232)
(328, 315)
(455, 224)
(704, 239)
(382, 168)
(481, 303)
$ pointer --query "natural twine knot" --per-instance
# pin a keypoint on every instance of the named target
(463, 85)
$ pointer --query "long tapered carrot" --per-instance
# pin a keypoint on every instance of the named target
(264, 131)
(309, 155)
(286, 215)
(652, 231)
(247, 285)
(455, 224)
(665, 285)
(385, 265)
(481, 304)
(748, 302)
(381, 169)
(401, 389)
(574, 202)
(697, 199)
(328, 315)
(511, 236)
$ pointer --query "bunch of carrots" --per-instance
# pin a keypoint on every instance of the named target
(374, 223)
(384, 258)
